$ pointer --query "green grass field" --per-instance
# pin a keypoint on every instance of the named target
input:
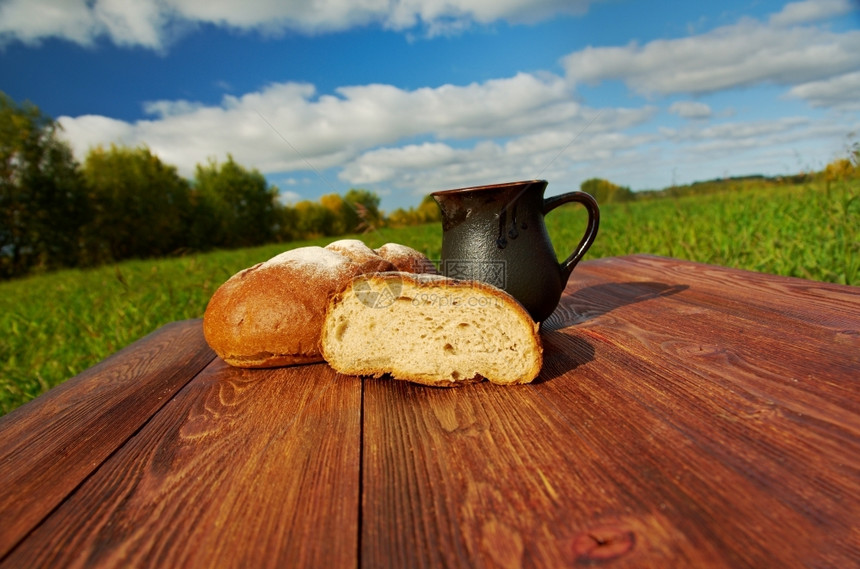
(56, 325)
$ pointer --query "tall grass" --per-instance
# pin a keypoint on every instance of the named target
(54, 326)
(812, 232)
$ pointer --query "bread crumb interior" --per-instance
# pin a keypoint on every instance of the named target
(438, 333)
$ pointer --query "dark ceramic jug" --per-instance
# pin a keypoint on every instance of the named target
(496, 234)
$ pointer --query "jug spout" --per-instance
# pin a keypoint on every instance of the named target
(451, 205)
(441, 201)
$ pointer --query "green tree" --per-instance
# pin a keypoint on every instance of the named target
(605, 191)
(241, 208)
(343, 217)
(427, 212)
(43, 204)
(141, 206)
(841, 169)
(356, 212)
(313, 220)
(288, 219)
(363, 210)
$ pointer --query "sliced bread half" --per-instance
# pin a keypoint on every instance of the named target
(430, 329)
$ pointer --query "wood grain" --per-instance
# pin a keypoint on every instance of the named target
(686, 416)
(764, 382)
(51, 444)
(243, 468)
(499, 478)
(817, 304)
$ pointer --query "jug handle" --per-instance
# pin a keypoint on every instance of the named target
(590, 204)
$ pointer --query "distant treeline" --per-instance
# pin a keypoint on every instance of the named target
(605, 191)
(126, 203)
(123, 203)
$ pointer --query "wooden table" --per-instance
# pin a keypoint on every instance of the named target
(686, 416)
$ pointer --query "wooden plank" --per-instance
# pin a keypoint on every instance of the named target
(51, 444)
(243, 468)
(767, 371)
(769, 475)
(778, 333)
(817, 304)
(489, 476)
(760, 371)
(679, 422)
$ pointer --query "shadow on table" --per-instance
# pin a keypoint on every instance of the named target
(562, 353)
(593, 301)
(565, 352)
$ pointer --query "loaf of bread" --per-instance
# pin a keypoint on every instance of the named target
(431, 330)
(272, 313)
(406, 259)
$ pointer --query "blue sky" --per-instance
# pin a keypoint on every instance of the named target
(405, 97)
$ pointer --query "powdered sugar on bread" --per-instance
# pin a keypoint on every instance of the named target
(395, 249)
(307, 255)
(351, 248)
(271, 314)
(314, 262)
(406, 259)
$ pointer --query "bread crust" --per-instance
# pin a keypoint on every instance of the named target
(271, 314)
(406, 259)
(418, 282)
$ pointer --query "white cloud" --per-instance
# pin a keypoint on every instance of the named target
(89, 131)
(442, 16)
(29, 21)
(421, 168)
(287, 197)
(287, 126)
(525, 126)
(740, 55)
(739, 133)
(470, 134)
(840, 92)
(690, 110)
(810, 11)
(520, 126)
(785, 145)
(164, 109)
(145, 23)
(131, 23)
(152, 23)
